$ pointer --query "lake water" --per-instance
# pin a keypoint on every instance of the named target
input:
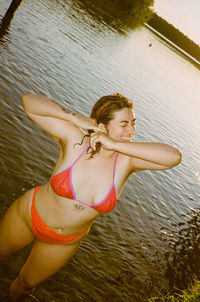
(150, 242)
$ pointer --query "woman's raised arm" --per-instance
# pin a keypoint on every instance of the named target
(55, 118)
(151, 156)
(143, 156)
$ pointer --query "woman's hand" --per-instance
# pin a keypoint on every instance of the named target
(86, 123)
(101, 138)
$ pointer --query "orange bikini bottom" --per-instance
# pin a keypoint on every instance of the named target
(43, 233)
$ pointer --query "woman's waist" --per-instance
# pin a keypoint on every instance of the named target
(59, 213)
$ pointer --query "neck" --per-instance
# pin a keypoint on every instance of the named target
(104, 153)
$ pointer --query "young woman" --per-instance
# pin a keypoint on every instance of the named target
(89, 175)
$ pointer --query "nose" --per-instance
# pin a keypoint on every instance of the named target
(131, 129)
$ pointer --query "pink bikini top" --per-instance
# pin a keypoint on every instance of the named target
(61, 184)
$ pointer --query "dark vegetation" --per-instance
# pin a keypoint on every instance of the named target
(120, 14)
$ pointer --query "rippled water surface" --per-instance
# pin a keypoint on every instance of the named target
(150, 242)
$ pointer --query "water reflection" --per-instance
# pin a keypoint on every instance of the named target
(6, 20)
(118, 15)
(186, 246)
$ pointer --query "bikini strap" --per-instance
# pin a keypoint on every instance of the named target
(80, 155)
(114, 166)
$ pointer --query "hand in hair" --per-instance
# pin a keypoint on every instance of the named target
(103, 139)
(86, 122)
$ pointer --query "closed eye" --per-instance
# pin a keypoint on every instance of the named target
(125, 123)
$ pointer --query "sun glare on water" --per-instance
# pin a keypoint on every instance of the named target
(198, 175)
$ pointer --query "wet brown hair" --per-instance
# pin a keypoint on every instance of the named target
(103, 111)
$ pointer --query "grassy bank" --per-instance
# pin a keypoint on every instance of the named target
(192, 294)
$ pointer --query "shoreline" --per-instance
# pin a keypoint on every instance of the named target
(184, 53)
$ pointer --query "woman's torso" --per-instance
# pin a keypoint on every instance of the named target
(92, 180)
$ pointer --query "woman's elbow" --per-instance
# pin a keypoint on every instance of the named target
(25, 101)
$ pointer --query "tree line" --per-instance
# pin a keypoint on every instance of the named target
(174, 35)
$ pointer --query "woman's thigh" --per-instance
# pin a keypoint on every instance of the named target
(15, 227)
(45, 260)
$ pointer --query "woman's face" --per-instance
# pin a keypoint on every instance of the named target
(122, 126)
